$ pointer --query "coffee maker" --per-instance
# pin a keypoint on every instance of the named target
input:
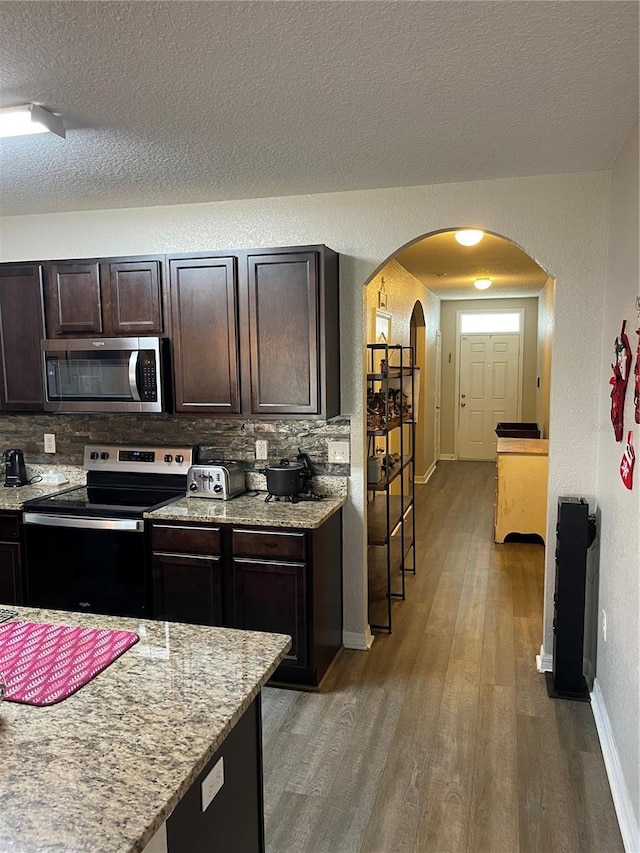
(15, 471)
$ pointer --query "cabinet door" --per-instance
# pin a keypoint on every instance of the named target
(187, 588)
(132, 296)
(205, 336)
(21, 328)
(10, 573)
(73, 299)
(283, 333)
(270, 596)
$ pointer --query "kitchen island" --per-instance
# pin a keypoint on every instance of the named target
(121, 761)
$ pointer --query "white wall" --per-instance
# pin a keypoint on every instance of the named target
(546, 318)
(618, 659)
(559, 220)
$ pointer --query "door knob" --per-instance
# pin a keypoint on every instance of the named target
(462, 405)
(463, 396)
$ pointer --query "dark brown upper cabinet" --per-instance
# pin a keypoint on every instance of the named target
(293, 332)
(256, 333)
(112, 297)
(204, 312)
(73, 299)
(283, 333)
(132, 296)
(21, 329)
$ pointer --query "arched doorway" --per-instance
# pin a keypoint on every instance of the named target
(436, 274)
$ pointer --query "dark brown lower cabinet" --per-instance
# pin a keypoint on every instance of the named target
(272, 596)
(11, 586)
(186, 574)
(290, 582)
(286, 581)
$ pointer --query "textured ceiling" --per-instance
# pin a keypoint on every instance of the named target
(173, 102)
(449, 269)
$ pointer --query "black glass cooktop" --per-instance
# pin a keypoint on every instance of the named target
(104, 501)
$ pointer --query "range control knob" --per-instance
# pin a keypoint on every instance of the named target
(93, 455)
(193, 487)
(178, 458)
(168, 457)
(104, 455)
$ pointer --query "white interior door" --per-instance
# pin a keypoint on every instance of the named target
(438, 398)
(489, 391)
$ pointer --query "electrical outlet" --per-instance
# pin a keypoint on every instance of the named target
(49, 442)
(604, 625)
(212, 782)
(338, 451)
(262, 450)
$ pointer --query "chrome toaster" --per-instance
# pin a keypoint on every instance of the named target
(220, 480)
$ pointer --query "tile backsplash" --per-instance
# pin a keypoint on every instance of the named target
(220, 438)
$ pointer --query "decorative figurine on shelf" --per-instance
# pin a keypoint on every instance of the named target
(619, 381)
(376, 410)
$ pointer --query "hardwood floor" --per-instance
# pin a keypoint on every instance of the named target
(442, 738)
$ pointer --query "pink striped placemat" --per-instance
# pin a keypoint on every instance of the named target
(43, 664)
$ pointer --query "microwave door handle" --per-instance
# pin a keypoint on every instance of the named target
(133, 375)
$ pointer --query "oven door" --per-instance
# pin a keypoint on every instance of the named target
(103, 375)
(94, 565)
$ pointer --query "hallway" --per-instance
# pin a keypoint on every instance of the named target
(442, 738)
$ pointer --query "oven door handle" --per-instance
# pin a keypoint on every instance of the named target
(133, 375)
(122, 524)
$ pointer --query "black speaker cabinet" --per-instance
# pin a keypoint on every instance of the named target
(572, 541)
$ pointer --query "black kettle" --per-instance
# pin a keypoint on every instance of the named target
(15, 472)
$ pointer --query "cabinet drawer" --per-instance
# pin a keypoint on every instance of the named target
(267, 544)
(187, 539)
(9, 526)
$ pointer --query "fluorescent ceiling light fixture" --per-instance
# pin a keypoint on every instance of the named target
(469, 237)
(27, 119)
(482, 283)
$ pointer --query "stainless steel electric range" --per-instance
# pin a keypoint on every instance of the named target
(86, 546)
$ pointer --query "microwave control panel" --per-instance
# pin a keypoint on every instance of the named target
(148, 378)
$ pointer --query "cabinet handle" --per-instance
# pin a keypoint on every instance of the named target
(267, 533)
(186, 556)
(185, 527)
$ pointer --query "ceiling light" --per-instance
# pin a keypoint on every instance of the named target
(27, 119)
(469, 237)
(482, 283)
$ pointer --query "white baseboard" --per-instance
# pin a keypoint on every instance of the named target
(352, 640)
(423, 479)
(448, 457)
(544, 662)
(627, 820)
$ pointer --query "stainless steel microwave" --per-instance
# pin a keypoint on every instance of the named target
(104, 374)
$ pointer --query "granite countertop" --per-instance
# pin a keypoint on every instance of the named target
(14, 498)
(251, 509)
(102, 770)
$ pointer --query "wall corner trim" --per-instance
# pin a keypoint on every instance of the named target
(423, 479)
(362, 642)
(544, 662)
(627, 820)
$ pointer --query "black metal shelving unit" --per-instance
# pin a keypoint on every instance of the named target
(391, 500)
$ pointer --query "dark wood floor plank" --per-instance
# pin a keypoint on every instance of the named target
(442, 738)
(493, 824)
